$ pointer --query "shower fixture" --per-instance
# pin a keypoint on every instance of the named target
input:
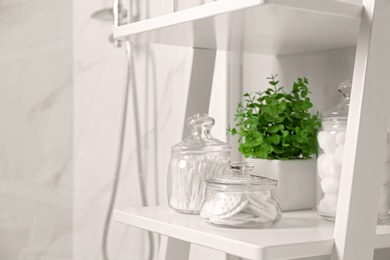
(117, 16)
(107, 15)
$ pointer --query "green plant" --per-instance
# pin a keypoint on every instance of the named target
(277, 125)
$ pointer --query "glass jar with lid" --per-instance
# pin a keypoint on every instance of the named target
(240, 200)
(330, 160)
(330, 152)
(198, 157)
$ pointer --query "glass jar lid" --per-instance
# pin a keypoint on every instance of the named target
(239, 177)
(200, 139)
(340, 111)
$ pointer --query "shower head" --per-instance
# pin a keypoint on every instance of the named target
(107, 15)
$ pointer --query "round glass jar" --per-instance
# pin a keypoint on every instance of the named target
(198, 157)
(240, 200)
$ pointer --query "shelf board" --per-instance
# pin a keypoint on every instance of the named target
(273, 27)
(298, 234)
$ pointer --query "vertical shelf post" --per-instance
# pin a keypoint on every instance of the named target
(198, 100)
(364, 154)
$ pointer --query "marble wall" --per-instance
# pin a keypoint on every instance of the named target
(35, 129)
(99, 72)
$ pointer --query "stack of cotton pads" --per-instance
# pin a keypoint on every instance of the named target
(240, 209)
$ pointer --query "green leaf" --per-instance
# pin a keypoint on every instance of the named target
(258, 136)
(264, 148)
(285, 133)
(273, 129)
(252, 143)
(269, 118)
(279, 96)
(266, 109)
(280, 119)
(275, 139)
(278, 151)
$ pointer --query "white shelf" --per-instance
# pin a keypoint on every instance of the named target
(272, 27)
(298, 234)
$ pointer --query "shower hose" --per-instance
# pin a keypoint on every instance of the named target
(129, 82)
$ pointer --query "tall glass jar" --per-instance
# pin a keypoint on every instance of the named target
(240, 200)
(197, 158)
(331, 140)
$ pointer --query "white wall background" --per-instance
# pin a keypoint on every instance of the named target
(62, 81)
(35, 129)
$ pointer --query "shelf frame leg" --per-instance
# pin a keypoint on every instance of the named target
(364, 155)
(173, 249)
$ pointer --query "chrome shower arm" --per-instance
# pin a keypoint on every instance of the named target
(115, 10)
(116, 6)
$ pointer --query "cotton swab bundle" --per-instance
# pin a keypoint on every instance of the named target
(187, 177)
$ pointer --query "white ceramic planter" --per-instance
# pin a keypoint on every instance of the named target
(296, 189)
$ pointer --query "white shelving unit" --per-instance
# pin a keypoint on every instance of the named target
(278, 27)
(299, 234)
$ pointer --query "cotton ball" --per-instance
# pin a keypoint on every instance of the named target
(328, 205)
(330, 186)
(329, 167)
(327, 141)
(323, 137)
(340, 138)
(331, 203)
(321, 207)
(383, 201)
(339, 154)
(386, 173)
